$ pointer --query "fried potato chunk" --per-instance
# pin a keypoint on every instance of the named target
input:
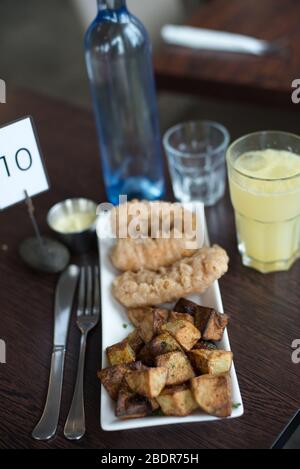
(160, 345)
(145, 355)
(213, 394)
(137, 315)
(211, 323)
(154, 404)
(212, 362)
(152, 323)
(184, 317)
(178, 366)
(163, 343)
(189, 275)
(177, 401)
(120, 353)
(185, 306)
(131, 405)
(148, 383)
(112, 377)
(184, 332)
(135, 341)
(205, 345)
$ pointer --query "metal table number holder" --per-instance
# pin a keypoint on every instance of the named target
(42, 253)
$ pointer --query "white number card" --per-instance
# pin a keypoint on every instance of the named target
(21, 163)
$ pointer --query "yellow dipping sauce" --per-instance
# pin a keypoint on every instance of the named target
(74, 222)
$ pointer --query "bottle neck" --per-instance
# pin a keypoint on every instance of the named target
(111, 4)
(101, 5)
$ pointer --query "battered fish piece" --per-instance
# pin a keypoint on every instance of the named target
(190, 275)
(151, 254)
(148, 250)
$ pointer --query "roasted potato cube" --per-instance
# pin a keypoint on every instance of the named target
(177, 400)
(135, 341)
(145, 355)
(152, 323)
(181, 316)
(112, 377)
(131, 405)
(211, 362)
(213, 394)
(120, 353)
(186, 334)
(148, 383)
(146, 328)
(154, 404)
(163, 343)
(205, 345)
(210, 323)
(160, 317)
(137, 315)
(186, 307)
(178, 366)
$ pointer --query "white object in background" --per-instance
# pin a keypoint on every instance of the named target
(208, 39)
(21, 163)
(113, 319)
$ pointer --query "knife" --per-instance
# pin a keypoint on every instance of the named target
(64, 297)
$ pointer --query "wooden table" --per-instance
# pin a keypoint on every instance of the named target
(237, 76)
(264, 310)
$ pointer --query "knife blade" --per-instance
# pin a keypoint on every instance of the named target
(64, 297)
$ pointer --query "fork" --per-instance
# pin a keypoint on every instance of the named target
(87, 318)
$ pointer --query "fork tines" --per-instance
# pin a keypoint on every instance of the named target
(88, 298)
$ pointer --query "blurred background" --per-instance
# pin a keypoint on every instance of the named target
(41, 47)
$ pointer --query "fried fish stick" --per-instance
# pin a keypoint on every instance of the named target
(149, 253)
(190, 275)
(167, 234)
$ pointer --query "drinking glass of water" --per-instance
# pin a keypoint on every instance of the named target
(196, 157)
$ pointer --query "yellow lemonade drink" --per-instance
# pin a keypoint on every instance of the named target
(265, 192)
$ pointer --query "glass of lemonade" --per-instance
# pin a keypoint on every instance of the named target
(264, 179)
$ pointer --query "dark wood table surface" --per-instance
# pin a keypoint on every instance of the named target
(264, 310)
(237, 76)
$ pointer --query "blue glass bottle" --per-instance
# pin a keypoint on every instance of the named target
(119, 64)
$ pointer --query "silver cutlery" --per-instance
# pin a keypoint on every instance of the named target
(65, 292)
(87, 318)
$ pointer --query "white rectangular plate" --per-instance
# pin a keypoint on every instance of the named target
(114, 319)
